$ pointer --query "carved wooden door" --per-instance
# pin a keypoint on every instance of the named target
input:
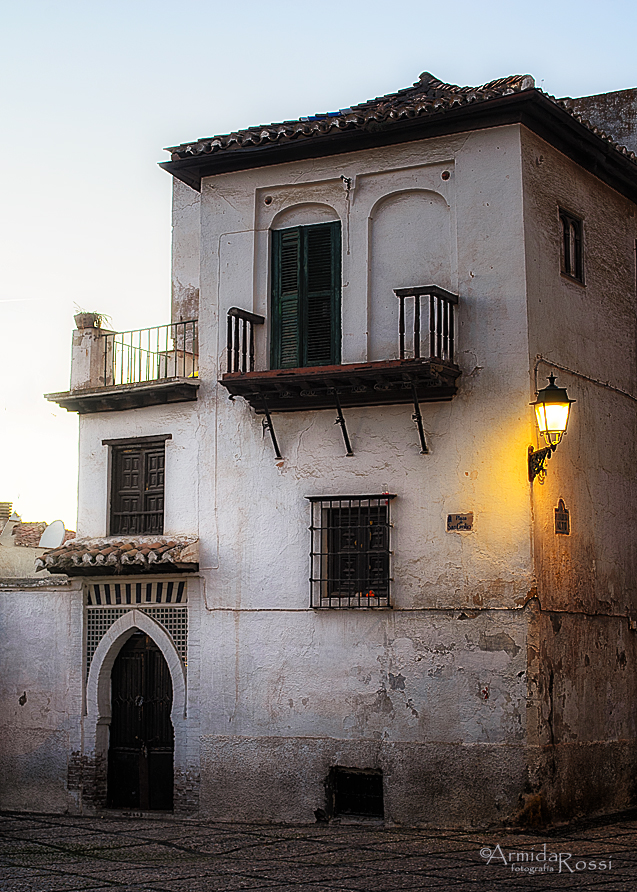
(140, 755)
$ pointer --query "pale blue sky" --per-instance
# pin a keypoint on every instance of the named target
(92, 92)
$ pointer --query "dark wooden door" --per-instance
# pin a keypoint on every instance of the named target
(140, 754)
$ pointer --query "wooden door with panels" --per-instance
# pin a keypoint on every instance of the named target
(140, 755)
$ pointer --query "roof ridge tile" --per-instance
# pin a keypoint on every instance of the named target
(426, 96)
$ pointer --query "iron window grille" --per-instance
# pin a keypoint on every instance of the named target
(350, 556)
(572, 255)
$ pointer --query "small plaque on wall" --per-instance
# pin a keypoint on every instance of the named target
(562, 519)
(459, 522)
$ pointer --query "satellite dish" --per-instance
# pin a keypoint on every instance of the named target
(53, 536)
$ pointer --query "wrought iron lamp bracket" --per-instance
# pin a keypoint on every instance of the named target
(537, 462)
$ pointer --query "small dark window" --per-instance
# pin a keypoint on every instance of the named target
(350, 551)
(306, 296)
(356, 792)
(572, 255)
(137, 490)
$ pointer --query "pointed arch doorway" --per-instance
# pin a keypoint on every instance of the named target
(141, 745)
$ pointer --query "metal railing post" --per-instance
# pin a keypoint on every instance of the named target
(240, 339)
(146, 354)
(416, 326)
(441, 321)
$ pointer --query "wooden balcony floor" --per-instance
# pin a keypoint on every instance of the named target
(117, 397)
(358, 384)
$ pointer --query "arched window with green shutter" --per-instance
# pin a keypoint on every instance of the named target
(306, 296)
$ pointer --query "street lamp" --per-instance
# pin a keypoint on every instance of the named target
(552, 410)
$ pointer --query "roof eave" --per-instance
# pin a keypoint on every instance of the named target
(531, 108)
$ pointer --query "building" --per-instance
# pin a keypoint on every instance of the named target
(20, 544)
(312, 576)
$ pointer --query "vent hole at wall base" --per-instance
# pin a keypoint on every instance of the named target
(355, 792)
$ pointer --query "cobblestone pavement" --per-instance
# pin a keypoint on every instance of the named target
(114, 853)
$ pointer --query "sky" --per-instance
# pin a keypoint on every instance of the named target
(92, 92)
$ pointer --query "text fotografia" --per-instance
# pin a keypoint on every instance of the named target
(541, 861)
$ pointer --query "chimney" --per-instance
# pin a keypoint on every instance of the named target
(5, 513)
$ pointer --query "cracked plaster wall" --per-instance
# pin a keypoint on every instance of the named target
(40, 695)
(442, 673)
(419, 684)
(474, 440)
(435, 700)
(185, 252)
(369, 689)
(583, 668)
(434, 691)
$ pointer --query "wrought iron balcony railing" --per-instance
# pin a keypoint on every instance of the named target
(425, 371)
(151, 354)
(441, 329)
(240, 341)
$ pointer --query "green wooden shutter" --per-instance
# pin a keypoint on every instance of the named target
(322, 294)
(306, 296)
(286, 300)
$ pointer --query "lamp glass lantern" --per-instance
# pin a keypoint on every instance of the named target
(552, 410)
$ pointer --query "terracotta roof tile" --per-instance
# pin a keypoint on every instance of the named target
(28, 534)
(427, 96)
(121, 554)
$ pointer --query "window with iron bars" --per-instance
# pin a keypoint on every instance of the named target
(350, 551)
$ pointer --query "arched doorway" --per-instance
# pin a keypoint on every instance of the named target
(141, 745)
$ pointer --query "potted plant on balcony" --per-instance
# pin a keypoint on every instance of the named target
(89, 319)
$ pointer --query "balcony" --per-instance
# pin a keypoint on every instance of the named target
(424, 372)
(114, 371)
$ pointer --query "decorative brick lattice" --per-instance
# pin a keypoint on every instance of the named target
(169, 591)
(103, 609)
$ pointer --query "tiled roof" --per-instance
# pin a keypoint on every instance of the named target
(28, 534)
(122, 554)
(428, 96)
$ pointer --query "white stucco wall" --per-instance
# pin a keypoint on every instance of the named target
(589, 331)
(445, 666)
(19, 560)
(475, 440)
(184, 463)
(217, 465)
(40, 693)
(185, 252)
(453, 692)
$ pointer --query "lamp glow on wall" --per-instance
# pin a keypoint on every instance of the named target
(552, 410)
